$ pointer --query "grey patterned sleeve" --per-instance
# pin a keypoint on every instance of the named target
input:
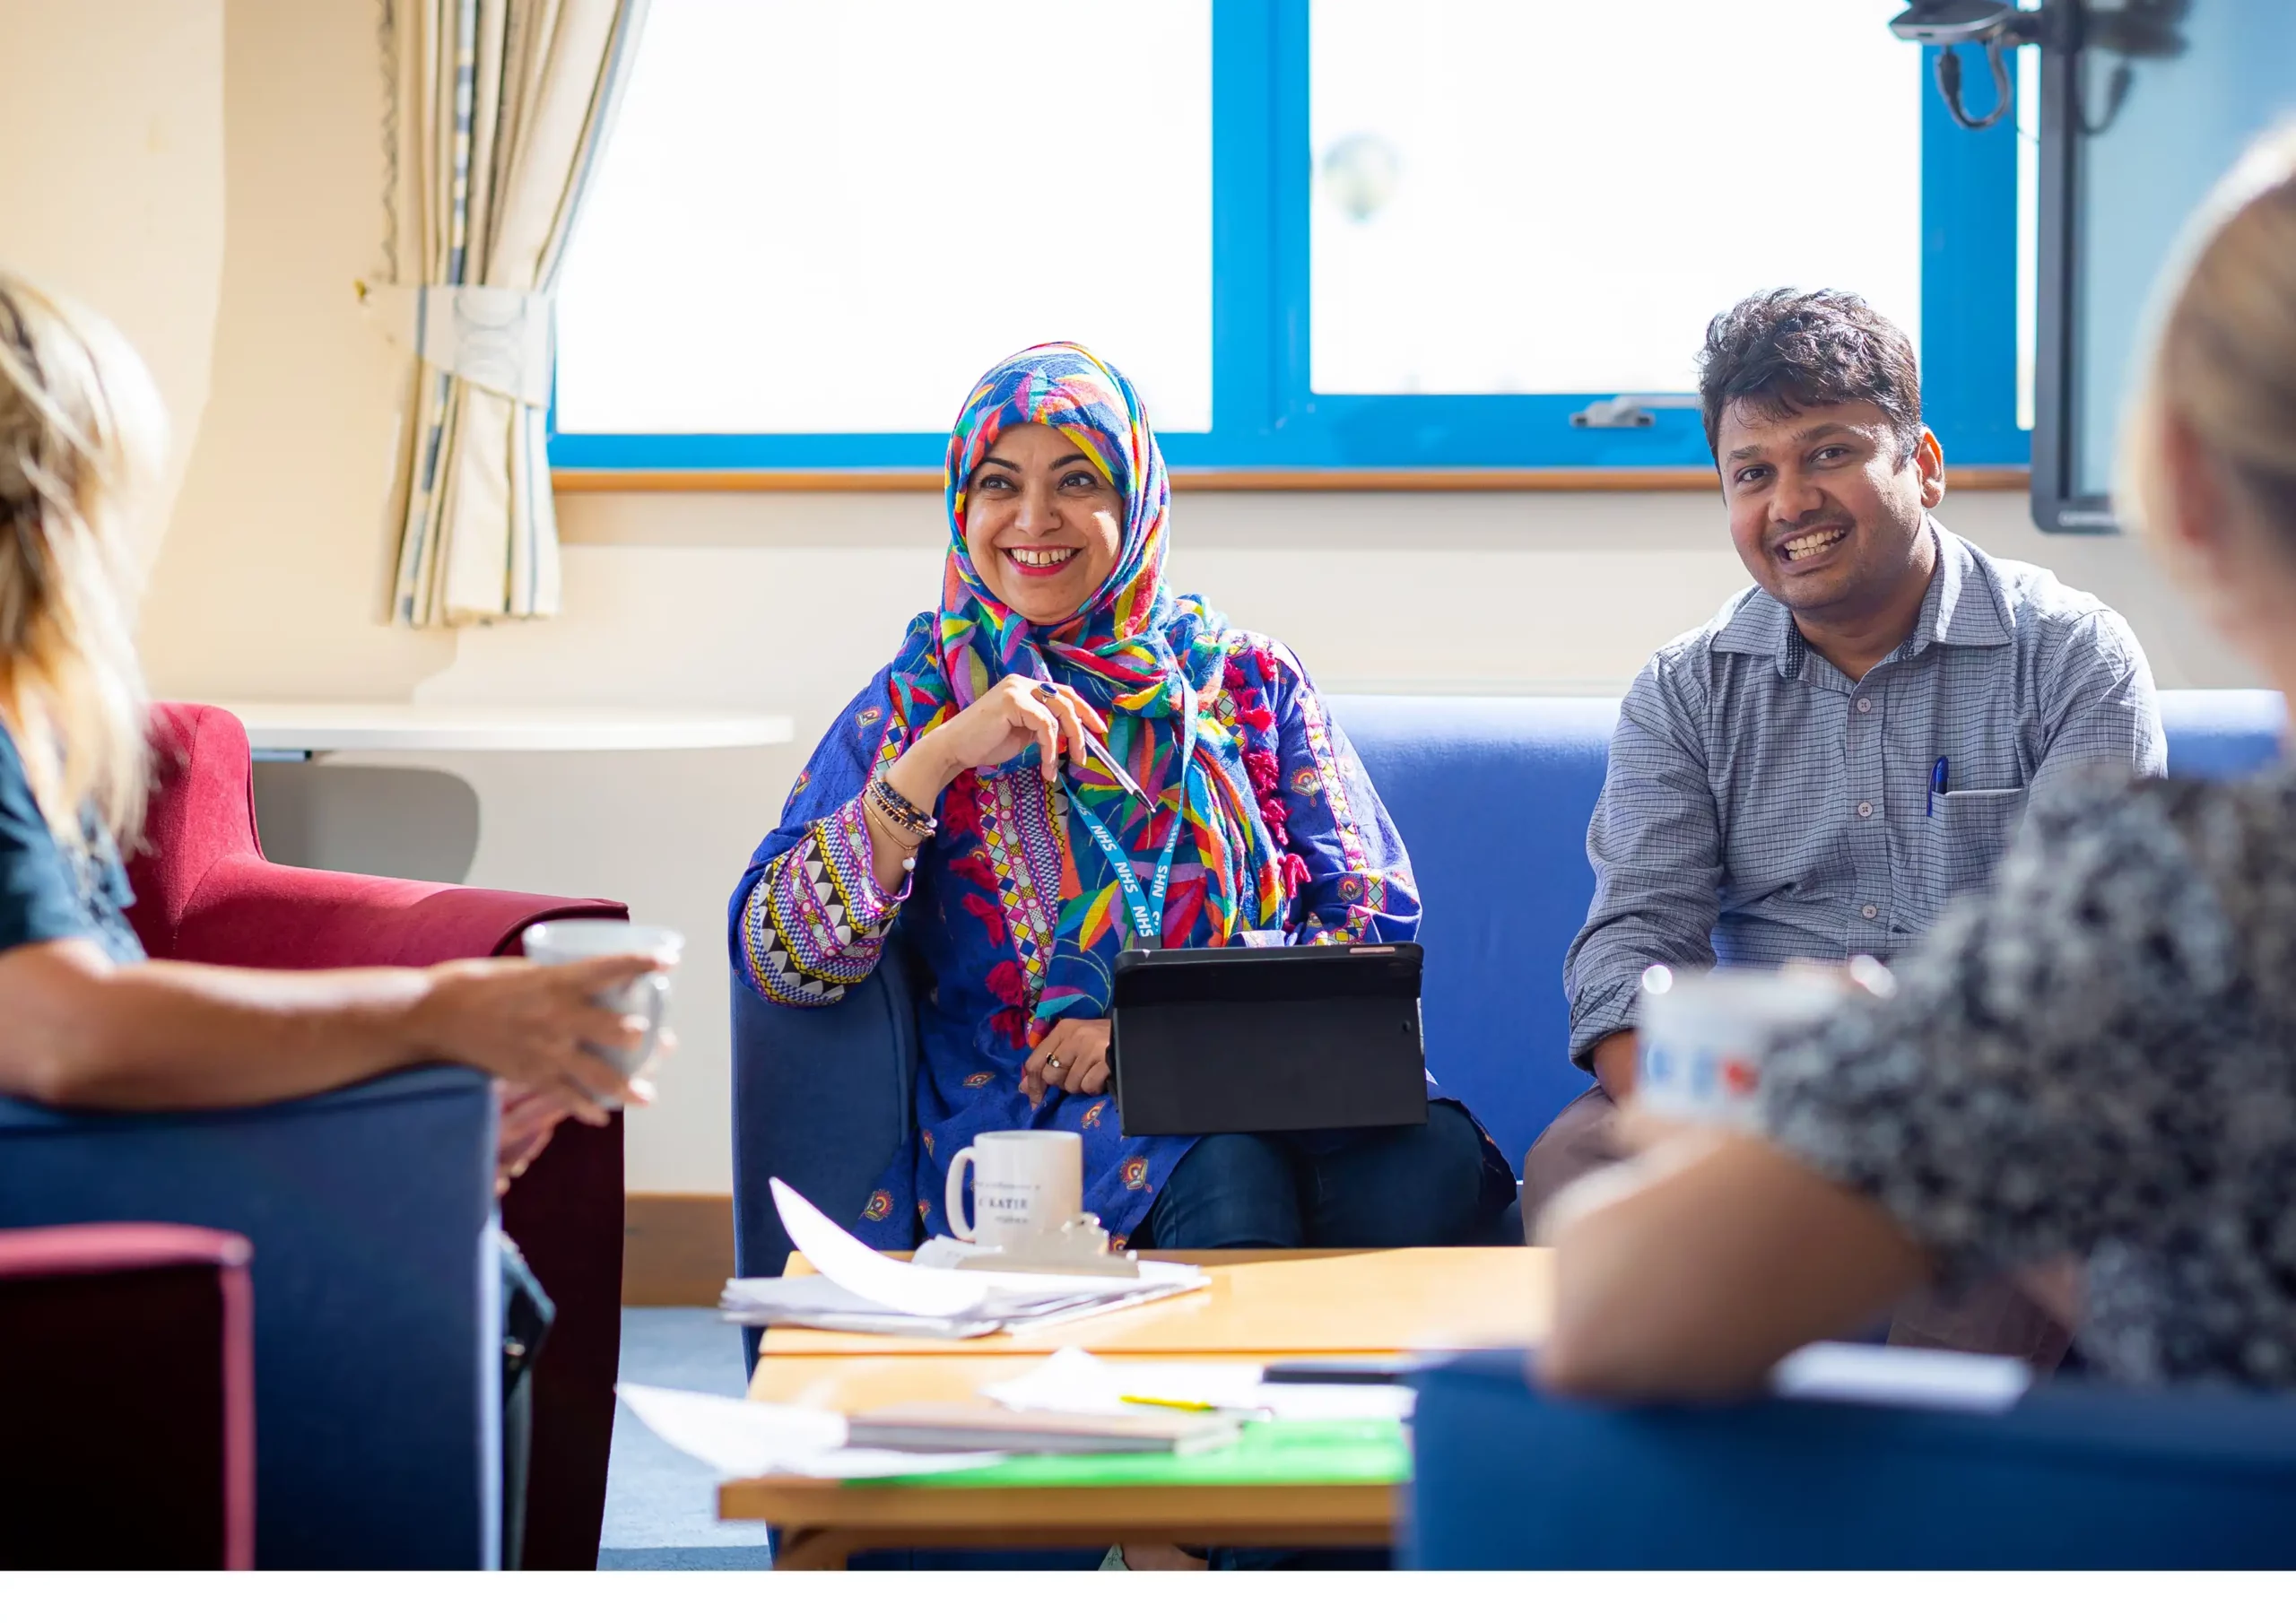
(2101, 707)
(1656, 844)
(2039, 1080)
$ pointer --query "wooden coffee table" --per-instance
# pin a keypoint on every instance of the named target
(1260, 1305)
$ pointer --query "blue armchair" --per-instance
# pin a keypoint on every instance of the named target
(378, 1332)
(822, 1098)
(2073, 1476)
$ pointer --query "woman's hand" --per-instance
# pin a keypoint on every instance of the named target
(530, 1116)
(528, 1119)
(1073, 1057)
(1014, 714)
(529, 1024)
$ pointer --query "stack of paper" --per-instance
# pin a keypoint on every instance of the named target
(856, 1288)
(1074, 1382)
(739, 1438)
(971, 1428)
(1070, 1404)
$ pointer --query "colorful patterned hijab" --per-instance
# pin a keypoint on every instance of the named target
(1127, 650)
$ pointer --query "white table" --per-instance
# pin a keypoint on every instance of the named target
(298, 732)
(436, 844)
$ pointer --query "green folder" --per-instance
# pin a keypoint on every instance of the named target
(1290, 1452)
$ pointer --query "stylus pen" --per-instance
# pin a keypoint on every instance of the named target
(1099, 751)
(1340, 1372)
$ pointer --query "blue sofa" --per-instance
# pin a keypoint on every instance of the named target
(377, 1284)
(2073, 1476)
(822, 1098)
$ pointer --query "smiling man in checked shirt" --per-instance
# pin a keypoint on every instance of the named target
(1769, 788)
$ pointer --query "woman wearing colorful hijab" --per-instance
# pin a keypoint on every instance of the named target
(938, 798)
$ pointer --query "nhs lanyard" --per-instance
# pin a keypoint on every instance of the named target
(1147, 908)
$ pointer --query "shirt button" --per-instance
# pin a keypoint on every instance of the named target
(1864, 808)
(1864, 705)
(1870, 910)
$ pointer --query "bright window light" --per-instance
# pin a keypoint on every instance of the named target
(1548, 196)
(831, 218)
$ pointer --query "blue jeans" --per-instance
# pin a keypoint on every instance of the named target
(1285, 1190)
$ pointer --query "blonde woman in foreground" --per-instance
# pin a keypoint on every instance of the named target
(85, 1019)
(2089, 1067)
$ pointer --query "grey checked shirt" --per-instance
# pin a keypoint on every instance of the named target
(1761, 806)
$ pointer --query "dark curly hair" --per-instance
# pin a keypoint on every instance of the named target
(1787, 350)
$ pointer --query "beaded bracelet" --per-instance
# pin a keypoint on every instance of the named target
(900, 812)
(879, 829)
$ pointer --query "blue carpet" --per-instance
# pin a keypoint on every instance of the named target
(662, 1505)
(708, 1557)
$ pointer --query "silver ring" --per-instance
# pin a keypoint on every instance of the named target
(1045, 690)
(1053, 1065)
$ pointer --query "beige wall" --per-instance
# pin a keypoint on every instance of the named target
(216, 185)
(271, 584)
(112, 176)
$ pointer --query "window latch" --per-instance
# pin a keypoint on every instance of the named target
(1631, 410)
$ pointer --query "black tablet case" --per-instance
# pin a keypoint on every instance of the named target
(1272, 1039)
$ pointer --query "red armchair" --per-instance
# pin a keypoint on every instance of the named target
(139, 1333)
(205, 893)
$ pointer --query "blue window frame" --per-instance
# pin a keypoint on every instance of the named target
(1266, 415)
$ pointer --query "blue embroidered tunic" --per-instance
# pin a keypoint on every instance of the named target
(808, 920)
(1271, 830)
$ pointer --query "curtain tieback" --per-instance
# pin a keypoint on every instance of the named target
(495, 338)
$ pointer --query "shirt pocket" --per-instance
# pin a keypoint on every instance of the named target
(1966, 831)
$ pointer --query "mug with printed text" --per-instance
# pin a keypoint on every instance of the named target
(1026, 1184)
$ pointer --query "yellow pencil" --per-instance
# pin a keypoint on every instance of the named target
(1168, 1403)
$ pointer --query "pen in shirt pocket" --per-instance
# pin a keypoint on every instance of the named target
(1936, 786)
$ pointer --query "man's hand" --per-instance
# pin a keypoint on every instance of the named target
(1614, 1059)
(1073, 1057)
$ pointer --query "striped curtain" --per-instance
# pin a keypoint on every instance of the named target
(500, 109)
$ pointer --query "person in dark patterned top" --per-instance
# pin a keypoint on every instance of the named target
(2087, 1079)
(2095, 1064)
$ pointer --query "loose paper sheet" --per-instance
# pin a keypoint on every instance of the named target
(1072, 1381)
(943, 1291)
(815, 1301)
(738, 1438)
(931, 1292)
(942, 1253)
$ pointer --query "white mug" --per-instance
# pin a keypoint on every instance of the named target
(568, 940)
(1701, 1034)
(1025, 1183)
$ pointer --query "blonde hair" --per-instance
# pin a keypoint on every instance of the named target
(2222, 361)
(81, 430)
